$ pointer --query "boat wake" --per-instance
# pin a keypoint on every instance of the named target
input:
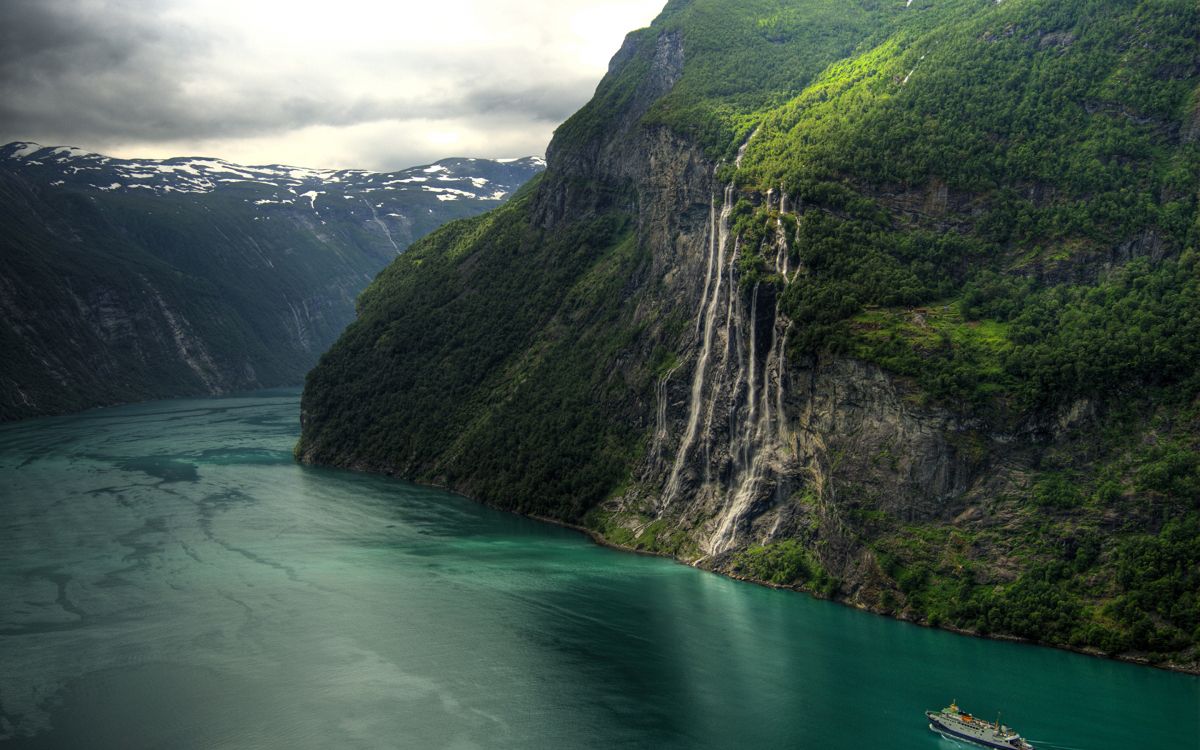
(948, 737)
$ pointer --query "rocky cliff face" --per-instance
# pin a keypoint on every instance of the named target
(779, 370)
(748, 448)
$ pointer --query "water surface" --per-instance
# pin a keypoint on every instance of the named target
(170, 578)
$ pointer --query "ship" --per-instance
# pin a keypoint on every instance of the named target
(957, 724)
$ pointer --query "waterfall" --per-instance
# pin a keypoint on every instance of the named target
(782, 432)
(737, 162)
(732, 354)
(747, 431)
(760, 443)
(708, 312)
(712, 251)
(780, 356)
(783, 251)
(735, 438)
(382, 225)
(660, 400)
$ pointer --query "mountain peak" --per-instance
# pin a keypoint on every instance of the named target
(450, 179)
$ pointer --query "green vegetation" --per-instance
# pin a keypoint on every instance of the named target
(740, 59)
(998, 204)
(493, 386)
(1152, 608)
(785, 563)
(1087, 581)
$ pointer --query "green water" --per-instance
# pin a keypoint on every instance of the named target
(170, 578)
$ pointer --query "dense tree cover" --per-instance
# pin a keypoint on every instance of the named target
(490, 386)
(1137, 594)
(1008, 346)
(1052, 132)
(785, 563)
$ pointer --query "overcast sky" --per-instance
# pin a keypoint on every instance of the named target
(368, 84)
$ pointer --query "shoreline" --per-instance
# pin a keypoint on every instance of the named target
(600, 540)
(597, 538)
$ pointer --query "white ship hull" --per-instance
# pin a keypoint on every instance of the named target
(983, 736)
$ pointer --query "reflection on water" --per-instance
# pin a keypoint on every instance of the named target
(170, 578)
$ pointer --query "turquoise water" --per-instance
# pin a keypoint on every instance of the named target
(170, 578)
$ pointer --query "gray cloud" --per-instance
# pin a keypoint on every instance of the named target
(120, 72)
(75, 70)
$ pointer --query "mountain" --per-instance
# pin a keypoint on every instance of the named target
(124, 280)
(897, 303)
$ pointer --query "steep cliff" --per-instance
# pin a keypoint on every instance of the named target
(894, 303)
(125, 280)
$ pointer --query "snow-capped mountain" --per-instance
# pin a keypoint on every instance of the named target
(375, 194)
(126, 279)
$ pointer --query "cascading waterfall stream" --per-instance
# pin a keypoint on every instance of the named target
(747, 431)
(660, 400)
(731, 353)
(712, 252)
(743, 384)
(709, 312)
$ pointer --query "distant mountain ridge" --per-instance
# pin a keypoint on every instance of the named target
(130, 279)
(454, 179)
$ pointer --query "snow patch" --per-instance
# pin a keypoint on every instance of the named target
(301, 173)
(24, 148)
(172, 168)
(312, 197)
(451, 191)
(73, 151)
(211, 165)
(536, 161)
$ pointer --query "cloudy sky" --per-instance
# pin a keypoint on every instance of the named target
(370, 84)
